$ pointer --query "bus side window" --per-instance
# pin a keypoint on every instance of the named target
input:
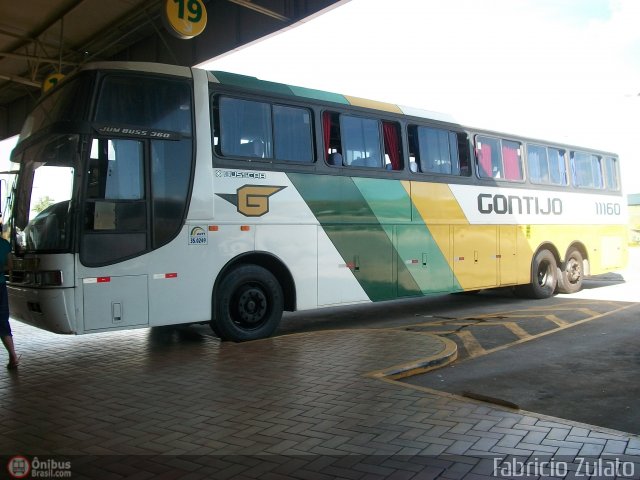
(292, 134)
(611, 171)
(512, 160)
(392, 146)
(546, 165)
(596, 167)
(464, 154)
(488, 155)
(587, 170)
(434, 150)
(331, 138)
(538, 164)
(362, 142)
(245, 128)
(414, 149)
(558, 166)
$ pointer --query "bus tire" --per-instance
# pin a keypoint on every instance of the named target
(571, 275)
(248, 304)
(544, 277)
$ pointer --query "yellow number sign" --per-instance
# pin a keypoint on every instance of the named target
(184, 19)
(51, 81)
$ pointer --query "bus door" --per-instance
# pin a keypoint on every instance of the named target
(115, 228)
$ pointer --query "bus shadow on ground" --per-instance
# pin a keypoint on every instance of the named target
(604, 280)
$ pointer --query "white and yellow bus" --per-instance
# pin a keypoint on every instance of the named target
(152, 195)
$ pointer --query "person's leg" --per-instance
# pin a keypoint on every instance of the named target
(7, 341)
(5, 328)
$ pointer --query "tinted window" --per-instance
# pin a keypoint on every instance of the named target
(546, 165)
(170, 180)
(611, 170)
(586, 169)
(115, 210)
(245, 128)
(538, 164)
(115, 188)
(392, 146)
(292, 134)
(115, 170)
(489, 161)
(146, 102)
(68, 101)
(437, 150)
(512, 160)
(557, 166)
(361, 142)
(499, 158)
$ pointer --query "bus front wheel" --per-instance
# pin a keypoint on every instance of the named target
(570, 277)
(248, 304)
(544, 276)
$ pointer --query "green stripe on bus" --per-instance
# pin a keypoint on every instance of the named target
(429, 266)
(318, 95)
(355, 230)
(246, 81)
(423, 263)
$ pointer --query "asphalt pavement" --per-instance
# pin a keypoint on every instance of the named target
(589, 372)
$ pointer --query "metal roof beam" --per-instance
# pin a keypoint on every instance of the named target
(36, 58)
(24, 81)
(260, 9)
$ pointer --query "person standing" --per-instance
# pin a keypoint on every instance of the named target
(5, 329)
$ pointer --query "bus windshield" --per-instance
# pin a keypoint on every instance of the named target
(43, 195)
(66, 103)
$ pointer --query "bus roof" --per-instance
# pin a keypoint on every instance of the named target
(245, 81)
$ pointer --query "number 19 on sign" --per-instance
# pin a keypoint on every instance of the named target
(185, 19)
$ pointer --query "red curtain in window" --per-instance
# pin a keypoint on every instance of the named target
(392, 144)
(511, 162)
(486, 169)
(326, 132)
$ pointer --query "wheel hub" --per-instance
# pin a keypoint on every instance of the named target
(574, 272)
(252, 306)
(543, 274)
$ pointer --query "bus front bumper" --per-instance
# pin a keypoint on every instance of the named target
(49, 309)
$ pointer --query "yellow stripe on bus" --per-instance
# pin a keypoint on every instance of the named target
(435, 203)
(363, 102)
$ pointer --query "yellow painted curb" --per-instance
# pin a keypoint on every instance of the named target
(423, 365)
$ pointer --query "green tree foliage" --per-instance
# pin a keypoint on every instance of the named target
(43, 203)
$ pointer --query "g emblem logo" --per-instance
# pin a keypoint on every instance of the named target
(252, 200)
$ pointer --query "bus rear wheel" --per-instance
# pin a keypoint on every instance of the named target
(571, 275)
(544, 276)
(248, 304)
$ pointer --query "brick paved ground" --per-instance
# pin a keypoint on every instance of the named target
(178, 404)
